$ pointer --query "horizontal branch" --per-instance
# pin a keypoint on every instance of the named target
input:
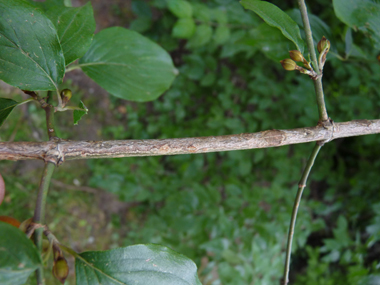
(60, 150)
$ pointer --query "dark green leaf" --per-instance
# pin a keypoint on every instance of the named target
(318, 27)
(360, 14)
(180, 8)
(6, 107)
(184, 28)
(141, 24)
(277, 18)
(78, 114)
(18, 256)
(202, 36)
(137, 264)
(128, 65)
(141, 9)
(31, 57)
(75, 28)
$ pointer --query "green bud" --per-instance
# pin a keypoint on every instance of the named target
(288, 64)
(60, 269)
(66, 95)
(296, 55)
(323, 43)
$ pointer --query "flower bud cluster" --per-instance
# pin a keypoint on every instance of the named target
(290, 64)
(296, 56)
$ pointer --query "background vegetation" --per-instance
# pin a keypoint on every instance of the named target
(230, 211)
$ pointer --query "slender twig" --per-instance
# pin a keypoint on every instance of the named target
(49, 110)
(323, 116)
(301, 187)
(39, 212)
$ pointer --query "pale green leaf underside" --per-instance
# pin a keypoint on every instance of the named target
(360, 14)
(31, 57)
(78, 114)
(277, 18)
(18, 256)
(128, 65)
(135, 265)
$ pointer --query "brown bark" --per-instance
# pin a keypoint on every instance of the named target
(60, 150)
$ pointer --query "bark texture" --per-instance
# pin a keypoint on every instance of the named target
(57, 150)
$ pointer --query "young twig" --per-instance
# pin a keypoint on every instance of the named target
(39, 212)
(323, 116)
(301, 187)
(49, 110)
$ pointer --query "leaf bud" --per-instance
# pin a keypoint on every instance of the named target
(60, 269)
(323, 43)
(296, 55)
(288, 64)
(66, 95)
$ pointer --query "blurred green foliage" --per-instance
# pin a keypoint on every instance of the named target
(230, 211)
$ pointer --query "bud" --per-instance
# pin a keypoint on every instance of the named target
(60, 269)
(288, 64)
(296, 55)
(66, 95)
(323, 43)
(25, 225)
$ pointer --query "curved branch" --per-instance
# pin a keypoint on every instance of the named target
(60, 150)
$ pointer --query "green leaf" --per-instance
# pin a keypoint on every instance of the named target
(220, 16)
(269, 41)
(18, 256)
(78, 114)
(184, 28)
(128, 65)
(202, 36)
(277, 18)
(137, 264)
(75, 27)
(180, 8)
(202, 12)
(363, 15)
(141, 9)
(31, 57)
(6, 107)
(222, 34)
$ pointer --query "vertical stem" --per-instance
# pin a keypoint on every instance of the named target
(49, 110)
(301, 187)
(39, 212)
(308, 33)
(323, 116)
